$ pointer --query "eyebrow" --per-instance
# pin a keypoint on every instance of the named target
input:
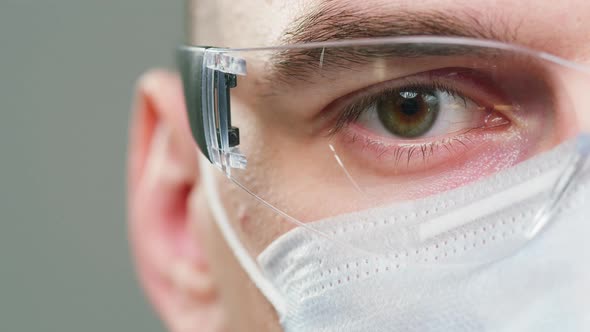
(332, 21)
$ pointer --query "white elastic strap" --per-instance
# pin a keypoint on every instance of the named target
(245, 260)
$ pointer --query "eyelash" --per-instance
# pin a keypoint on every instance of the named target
(426, 149)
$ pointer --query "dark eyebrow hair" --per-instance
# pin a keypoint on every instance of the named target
(334, 21)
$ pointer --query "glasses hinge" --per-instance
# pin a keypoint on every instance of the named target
(228, 136)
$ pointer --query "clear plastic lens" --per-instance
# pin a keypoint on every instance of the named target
(352, 131)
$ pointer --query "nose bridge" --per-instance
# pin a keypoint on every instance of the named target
(577, 85)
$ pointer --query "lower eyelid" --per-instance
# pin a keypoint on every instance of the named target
(416, 155)
(396, 142)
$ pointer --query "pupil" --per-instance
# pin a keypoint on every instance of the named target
(410, 106)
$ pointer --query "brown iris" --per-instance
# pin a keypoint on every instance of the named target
(409, 113)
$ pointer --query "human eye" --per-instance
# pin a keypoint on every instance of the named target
(435, 121)
(425, 111)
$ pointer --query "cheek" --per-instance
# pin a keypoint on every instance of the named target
(255, 224)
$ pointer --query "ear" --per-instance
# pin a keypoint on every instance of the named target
(163, 173)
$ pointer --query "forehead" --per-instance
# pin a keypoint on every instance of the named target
(250, 23)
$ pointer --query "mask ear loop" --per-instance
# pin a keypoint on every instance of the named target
(233, 241)
(572, 171)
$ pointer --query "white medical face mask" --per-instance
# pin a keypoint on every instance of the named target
(472, 273)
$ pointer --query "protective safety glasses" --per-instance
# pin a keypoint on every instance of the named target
(341, 128)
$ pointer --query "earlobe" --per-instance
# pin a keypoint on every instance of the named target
(163, 175)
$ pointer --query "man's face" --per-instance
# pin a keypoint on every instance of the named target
(190, 273)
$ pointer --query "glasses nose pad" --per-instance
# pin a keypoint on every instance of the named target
(568, 177)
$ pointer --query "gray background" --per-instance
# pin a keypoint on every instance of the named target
(67, 70)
